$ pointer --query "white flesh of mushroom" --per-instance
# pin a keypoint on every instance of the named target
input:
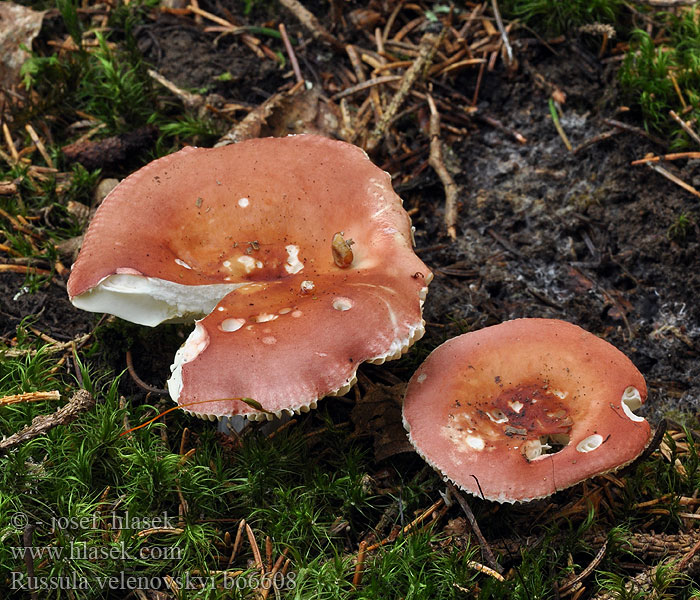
(151, 301)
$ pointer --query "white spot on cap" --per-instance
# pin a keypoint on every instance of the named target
(220, 308)
(590, 443)
(226, 264)
(270, 339)
(475, 442)
(284, 311)
(421, 378)
(243, 202)
(297, 313)
(182, 263)
(533, 449)
(516, 406)
(264, 317)
(231, 324)
(342, 303)
(560, 394)
(307, 286)
(248, 263)
(293, 265)
(631, 400)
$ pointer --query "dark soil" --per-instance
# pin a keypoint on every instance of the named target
(541, 233)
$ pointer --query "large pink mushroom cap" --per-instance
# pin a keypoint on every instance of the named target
(521, 410)
(296, 252)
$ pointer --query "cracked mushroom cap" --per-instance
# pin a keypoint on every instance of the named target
(296, 252)
(521, 410)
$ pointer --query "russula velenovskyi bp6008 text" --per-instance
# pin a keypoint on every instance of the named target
(295, 253)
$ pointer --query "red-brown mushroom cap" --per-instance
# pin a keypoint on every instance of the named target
(484, 407)
(248, 235)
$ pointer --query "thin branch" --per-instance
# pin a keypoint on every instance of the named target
(290, 52)
(428, 47)
(485, 547)
(437, 163)
(81, 401)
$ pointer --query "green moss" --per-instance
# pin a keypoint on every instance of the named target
(553, 17)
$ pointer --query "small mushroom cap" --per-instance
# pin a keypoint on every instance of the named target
(484, 407)
(246, 236)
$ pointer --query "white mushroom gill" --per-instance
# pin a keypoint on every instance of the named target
(631, 400)
(533, 449)
(590, 443)
(151, 301)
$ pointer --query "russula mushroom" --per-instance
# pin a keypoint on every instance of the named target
(521, 410)
(296, 252)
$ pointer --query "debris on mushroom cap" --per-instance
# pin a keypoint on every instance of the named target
(248, 237)
(521, 410)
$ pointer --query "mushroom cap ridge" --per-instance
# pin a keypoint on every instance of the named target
(479, 398)
(250, 227)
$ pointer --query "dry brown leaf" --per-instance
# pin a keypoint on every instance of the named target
(285, 114)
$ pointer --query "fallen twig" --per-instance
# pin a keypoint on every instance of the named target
(81, 401)
(436, 161)
(644, 582)
(30, 397)
(23, 269)
(290, 53)
(674, 156)
(595, 139)
(671, 177)
(50, 349)
(511, 63)
(685, 126)
(496, 124)
(428, 46)
(568, 585)
(484, 569)
(188, 99)
(637, 130)
(249, 40)
(365, 85)
(408, 529)
(312, 24)
(485, 547)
